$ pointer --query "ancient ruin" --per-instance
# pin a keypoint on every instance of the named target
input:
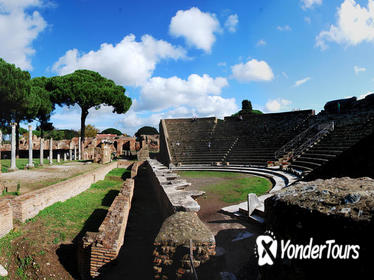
(319, 165)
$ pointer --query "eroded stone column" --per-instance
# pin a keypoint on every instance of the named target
(58, 157)
(30, 164)
(75, 152)
(65, 156)
(41, 151)
(79, 149)
(13, 151)
(51, 151)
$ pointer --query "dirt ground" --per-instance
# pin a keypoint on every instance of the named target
(235, 238)
(36, 255)
(37, 178)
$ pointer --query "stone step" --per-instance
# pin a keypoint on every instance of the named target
(321, 156)
(313, 159)
(301, 167)
(307, 163)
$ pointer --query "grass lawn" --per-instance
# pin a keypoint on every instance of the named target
(22, 162)
(234, 187)
(31, 245)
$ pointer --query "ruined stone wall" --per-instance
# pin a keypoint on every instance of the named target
(6, 217)
(142, 154)
(102, 247)
(164, 155)
(161, 197)
(134, 169)
(30, 204)
(106, 155)
(124, 164)
(339, 209)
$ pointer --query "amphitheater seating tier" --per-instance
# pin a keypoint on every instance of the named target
(331, 146)
(304, 141)
(250, 141)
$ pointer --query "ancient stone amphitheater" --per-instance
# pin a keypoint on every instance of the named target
(297, 150)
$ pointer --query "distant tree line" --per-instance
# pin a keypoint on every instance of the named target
(25, 99)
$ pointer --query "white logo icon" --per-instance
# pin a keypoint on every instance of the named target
(266, 249)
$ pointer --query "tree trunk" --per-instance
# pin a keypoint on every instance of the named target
(83, 123)
(17, 139)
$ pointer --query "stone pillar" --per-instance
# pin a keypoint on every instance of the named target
(30, 164)
(70, 154)
(65, 156)
(75, 152)
(79, 149)
(13, 152)
(51, 151)
(41, 151)
(58, 157)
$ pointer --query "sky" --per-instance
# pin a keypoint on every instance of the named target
(196, 58)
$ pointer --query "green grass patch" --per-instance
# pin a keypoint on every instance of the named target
(22, 162)
(202, 174)
(234, 188)
(66, 219)
(62, 221)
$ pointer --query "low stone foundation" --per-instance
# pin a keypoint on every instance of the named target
(172, 253)
(102, 247)
(339, 209)
(6, 217)
(134, 169)
(28, 205)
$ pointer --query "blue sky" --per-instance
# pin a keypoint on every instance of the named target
(196, 58)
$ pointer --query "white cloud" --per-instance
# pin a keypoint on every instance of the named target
(261, 43)
(307, 4)
(276, 105)
(197, 91)
(355, 25)
(358, 69)
(206, 105)
(253, 70)
(160, 98)
(129, 62)
(308, 20)
(222, 64)
(231, 23)
(196, 27)
(302, 81)
(284, 74)
(66, 117)
(284, 28)
(19, 27)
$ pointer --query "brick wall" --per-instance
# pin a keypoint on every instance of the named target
(124, 164)
(134, 169)
(6, 217)
(102, 247)
(30, 204)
